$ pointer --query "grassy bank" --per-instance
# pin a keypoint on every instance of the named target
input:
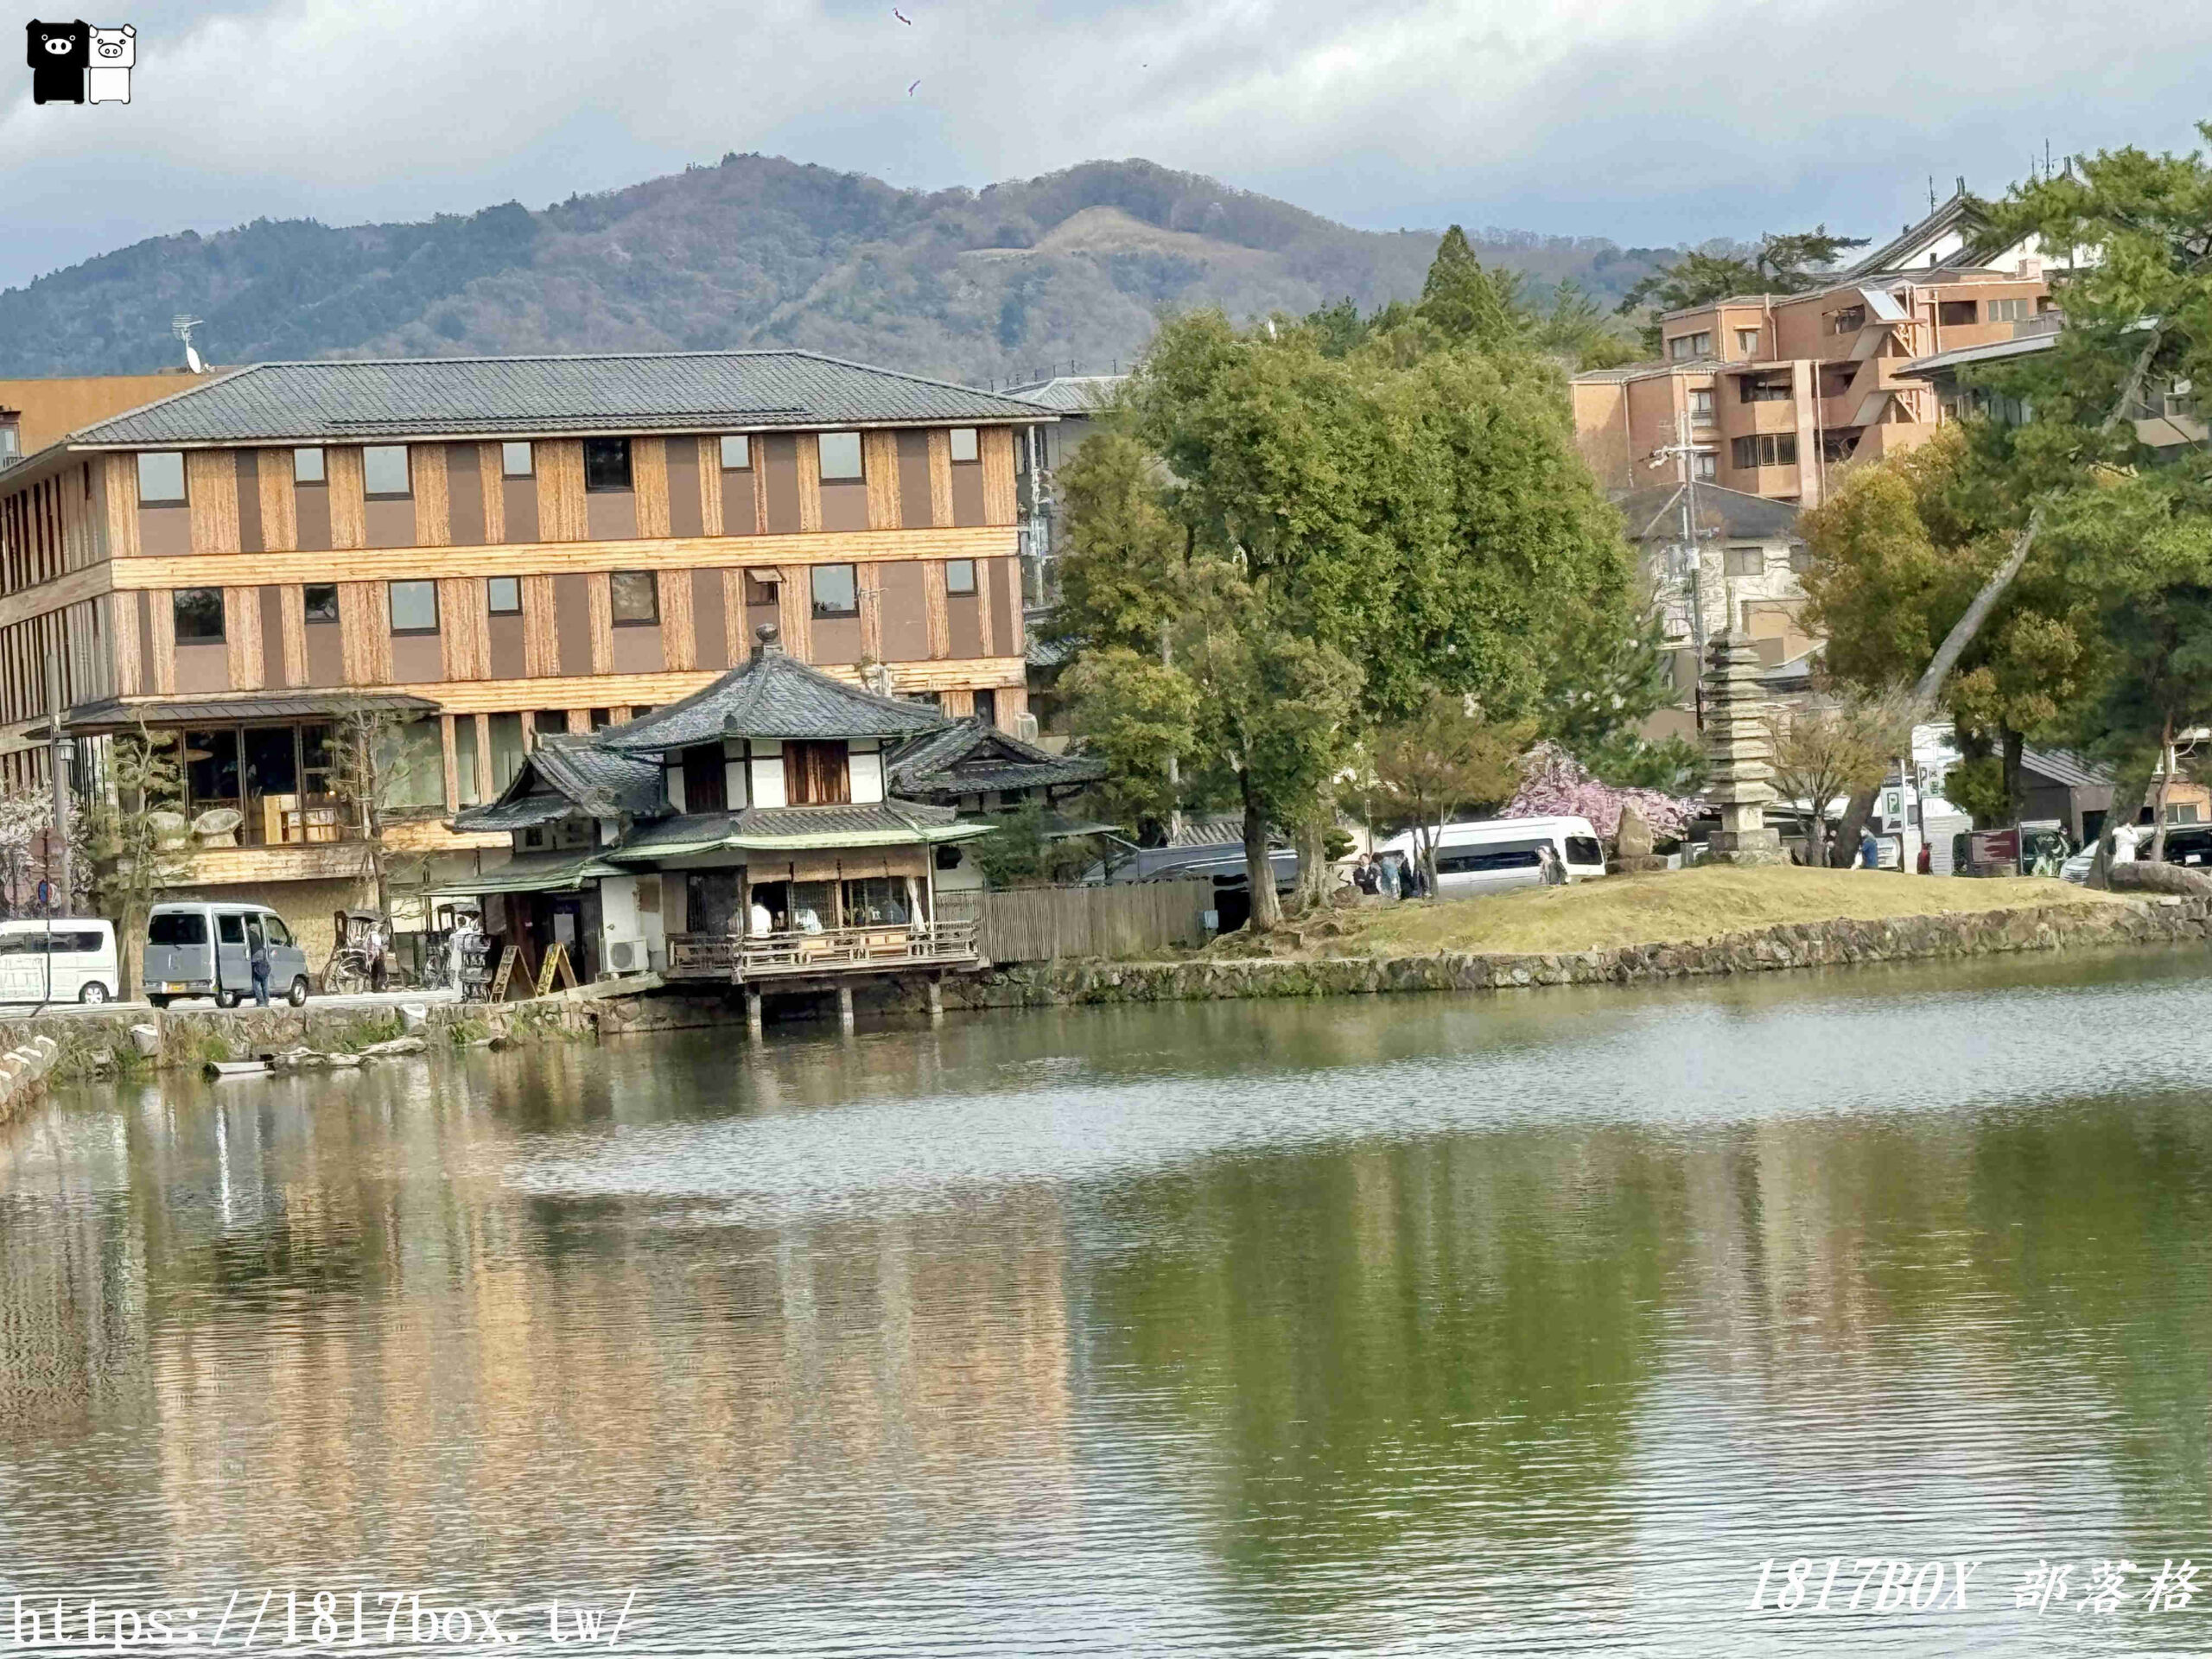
(1686, 904)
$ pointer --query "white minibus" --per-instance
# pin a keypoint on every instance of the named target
(1495, 852)
(68, 959)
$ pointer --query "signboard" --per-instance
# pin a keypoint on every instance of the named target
(1995, 847)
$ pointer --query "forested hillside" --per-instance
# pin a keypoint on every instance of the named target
(980, 286)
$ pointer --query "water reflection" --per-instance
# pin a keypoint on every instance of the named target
(1348, 1327)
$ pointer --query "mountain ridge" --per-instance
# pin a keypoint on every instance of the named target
(1022, 276)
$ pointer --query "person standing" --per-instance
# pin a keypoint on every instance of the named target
(256, 962)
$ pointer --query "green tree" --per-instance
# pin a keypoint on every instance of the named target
(2138, 309)
(1139, 717)
(1900, 552)
(1610, 676)
(1123, 564)
(1442, 760)
(1469, 303)
(133, 836)
(1833, 749)
(1578, 332)
(1276, 708)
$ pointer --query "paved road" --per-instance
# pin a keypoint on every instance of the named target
(185, 1004)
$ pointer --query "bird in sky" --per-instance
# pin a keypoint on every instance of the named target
(910, 87)
(902, 16)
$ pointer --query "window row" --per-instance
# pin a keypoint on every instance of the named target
(633, 599)
(387, 474)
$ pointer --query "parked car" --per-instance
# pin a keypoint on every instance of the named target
(67, 959)
(1495, 852)
(199, 949)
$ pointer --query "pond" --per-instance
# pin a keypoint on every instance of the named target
(1377, 1326)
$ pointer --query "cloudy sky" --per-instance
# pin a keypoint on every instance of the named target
(1651, 121)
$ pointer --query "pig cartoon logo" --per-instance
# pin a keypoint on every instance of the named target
(114, 51)
(59, 55)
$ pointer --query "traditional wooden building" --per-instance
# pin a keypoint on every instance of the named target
(495, 551)
(743, 834)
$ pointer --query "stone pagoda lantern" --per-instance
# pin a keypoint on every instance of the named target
(1740, 749)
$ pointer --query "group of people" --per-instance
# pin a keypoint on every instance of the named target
(1385, 878)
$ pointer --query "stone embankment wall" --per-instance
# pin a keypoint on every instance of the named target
(1814, 944)
(123, 1041)
(23, 1072)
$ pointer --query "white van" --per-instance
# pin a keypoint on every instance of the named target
(1497, 853)
(68, 959)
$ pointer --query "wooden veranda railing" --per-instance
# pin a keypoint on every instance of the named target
(833, 951)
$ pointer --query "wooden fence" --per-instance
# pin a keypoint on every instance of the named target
(1040, 923)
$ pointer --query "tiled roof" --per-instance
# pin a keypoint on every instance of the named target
(696, 392)
(767, 827)
(2065, 767)
(1072, 394)
(774, 695)
(571, 775)
(113, 713)
(1655, 513)
(970, 756)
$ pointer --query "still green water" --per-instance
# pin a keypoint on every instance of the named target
(1410, 1325)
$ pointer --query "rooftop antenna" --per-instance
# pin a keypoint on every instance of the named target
(1931, 193)
(181, 327)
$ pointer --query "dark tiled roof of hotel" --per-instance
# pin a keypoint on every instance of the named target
(520, 397)
(774, 695)
(114, 714)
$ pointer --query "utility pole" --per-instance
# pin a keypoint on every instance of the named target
(1175, 762)
(1684, 453)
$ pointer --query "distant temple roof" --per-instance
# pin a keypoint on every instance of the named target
(774, 695)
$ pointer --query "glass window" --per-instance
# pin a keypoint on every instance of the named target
(1747, 341)
(198, 613)
(307, 467)
(178, 927)
(1746, 560)
(1801, 557)
(504, 594)
(1701, 402)
(161, 478)
(964, 447)
(384, 470)
(607, 463)
(986, 705)
(1581, 849)
(960, 575)
(516, 461)
(508, 749)
(414, 765)
(464, 759)
(1705, 464)
(321, 602)
(414, 607)
(273, 928)
(841, 457)
(636, 598)
(1957, 311)
(876, 901)
(1765, 449)
(737, 453)
(2008, 310)
(833, 592)
(230, 927)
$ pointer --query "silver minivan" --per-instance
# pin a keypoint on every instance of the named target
(195, 949)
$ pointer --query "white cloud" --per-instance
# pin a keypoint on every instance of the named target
(1666, 120)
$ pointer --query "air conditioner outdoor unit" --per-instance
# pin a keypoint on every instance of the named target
(625, 956)
(1025, 727)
